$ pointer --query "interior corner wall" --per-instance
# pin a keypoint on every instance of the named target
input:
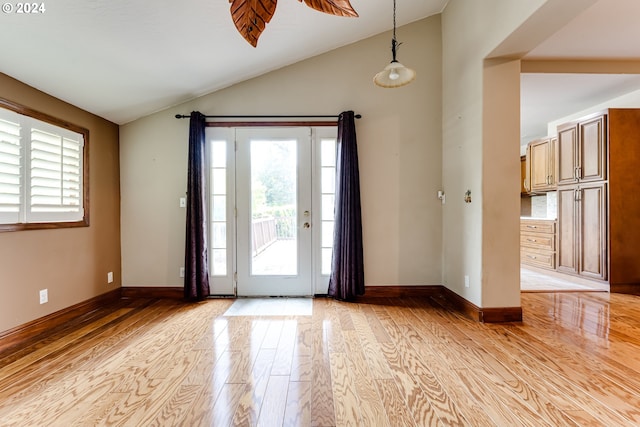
(71, 263)
(399, 148)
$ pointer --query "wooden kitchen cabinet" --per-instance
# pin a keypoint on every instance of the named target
(598, 202)
(582, 150)
(524, 184)
(567, 154)
(538, 243)
(542, 165)
(582, 230)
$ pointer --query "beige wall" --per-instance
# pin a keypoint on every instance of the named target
(482, 44)
(71, 263)
(399, 142)
(471, 30)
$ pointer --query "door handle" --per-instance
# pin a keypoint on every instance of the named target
(306, 225)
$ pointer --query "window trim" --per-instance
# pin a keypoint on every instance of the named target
(84, 222)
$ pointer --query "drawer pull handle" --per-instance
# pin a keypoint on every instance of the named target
(531, 226)
(531, 240)
(531, 256)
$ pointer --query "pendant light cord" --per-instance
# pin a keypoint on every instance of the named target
(394, 19)
(394, 43)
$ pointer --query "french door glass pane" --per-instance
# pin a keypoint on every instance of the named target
(274, 207)
(219, 154)
(219, 262)
(219, 208)
(219, 235)
(219, 181)
(328, 189)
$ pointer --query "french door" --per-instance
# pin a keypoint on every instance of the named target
(271, 210)
(273, 198)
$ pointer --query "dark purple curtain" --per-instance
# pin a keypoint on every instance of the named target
(347, 266)
(196, 267)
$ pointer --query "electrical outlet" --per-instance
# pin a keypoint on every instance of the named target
(466, 281)
(110, 277)
(181, 271)
(44, 296)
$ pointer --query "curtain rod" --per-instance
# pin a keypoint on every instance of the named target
(182, 116)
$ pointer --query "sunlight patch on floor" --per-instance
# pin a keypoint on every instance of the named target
(533, 281)
(271, 307)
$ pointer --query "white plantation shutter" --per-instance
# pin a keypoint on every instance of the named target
(55, 178)
(10, 167)
(41, 171)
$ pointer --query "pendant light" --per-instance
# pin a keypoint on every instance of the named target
(395, 74)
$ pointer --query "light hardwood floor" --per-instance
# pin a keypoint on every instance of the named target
(574, 360)
(535, 280)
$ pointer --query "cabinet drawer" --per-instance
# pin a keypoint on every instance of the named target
(548, 227)
(542, 259)
(538, 241)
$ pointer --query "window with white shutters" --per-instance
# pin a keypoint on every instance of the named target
(10, 169)
(42, 169)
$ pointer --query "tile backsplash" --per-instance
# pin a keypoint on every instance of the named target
(545, 206)
(552, 204)
(539, 206)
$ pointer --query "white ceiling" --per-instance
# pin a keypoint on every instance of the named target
(607, 30)
(126, 59)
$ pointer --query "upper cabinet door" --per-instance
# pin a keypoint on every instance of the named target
(539, 165)
(582, 151)
(542, 164)
(592, 162)
(567, 155)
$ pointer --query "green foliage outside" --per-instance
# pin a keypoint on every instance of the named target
(274, 187)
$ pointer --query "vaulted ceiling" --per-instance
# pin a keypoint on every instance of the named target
(123, 60)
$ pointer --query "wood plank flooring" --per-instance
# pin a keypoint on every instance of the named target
(535, 280)
(573, 361)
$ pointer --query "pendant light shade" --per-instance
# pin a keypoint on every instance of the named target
(395, 74)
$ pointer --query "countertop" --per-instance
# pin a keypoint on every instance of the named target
(538, 218)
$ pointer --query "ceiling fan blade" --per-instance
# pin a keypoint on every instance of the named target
(333, 7)
(251, 17)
